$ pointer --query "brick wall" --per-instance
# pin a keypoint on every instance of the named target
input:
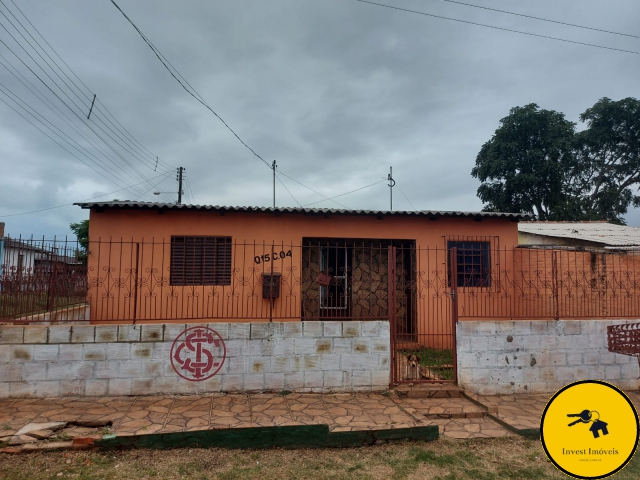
(504, 357)
(48, 361)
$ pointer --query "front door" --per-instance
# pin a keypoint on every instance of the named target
(335, 297)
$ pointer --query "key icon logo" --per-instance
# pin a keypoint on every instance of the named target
(587, 416)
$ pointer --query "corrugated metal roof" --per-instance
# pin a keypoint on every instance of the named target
(598, 232)
(216, 208)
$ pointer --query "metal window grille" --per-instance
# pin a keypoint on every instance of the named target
(335, 261)
(473, 263)
(200, 261)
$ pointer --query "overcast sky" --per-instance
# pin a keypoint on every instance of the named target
(335, 91)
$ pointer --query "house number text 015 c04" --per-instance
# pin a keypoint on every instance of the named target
(276, 255)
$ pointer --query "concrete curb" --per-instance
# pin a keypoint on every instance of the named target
(303, 436)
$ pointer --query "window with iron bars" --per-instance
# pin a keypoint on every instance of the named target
(473, 263)
(200, 261)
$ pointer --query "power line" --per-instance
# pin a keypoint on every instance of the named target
(290, 194)
(51, 107)
(346, 193)
(153, 187)
(496, 28)
(85, 200)
(314, 191)
(194, 94)
(191, 91)
(121, 129)
(70, 153)
(63, 102)
(542, 19)
(24, 106)
(66, 84)
(125, 148)
(405, 197)
(190, 191)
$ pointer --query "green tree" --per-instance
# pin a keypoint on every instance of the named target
(81, 230)
(521, 167)
(607, 170)
(537, 163)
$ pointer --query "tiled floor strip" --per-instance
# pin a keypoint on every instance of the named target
(348, 412)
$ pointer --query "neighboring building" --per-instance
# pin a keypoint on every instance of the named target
(22, 257)
(587, 269)
(27, 264)
(579, 234)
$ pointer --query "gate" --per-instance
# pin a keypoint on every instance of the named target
(423, 288)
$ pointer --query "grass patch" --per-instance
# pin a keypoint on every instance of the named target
(446, 459)
(441, 361)
(190, 468)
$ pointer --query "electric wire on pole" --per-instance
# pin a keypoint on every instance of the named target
(392, 183)
(273, 167)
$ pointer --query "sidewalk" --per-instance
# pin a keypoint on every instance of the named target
(522, 413)
(245, 420)
(103, 419)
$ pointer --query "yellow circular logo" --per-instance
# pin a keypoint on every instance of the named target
(589, 429)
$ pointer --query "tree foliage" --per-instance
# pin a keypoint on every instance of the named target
(81, 231)
(538, 163)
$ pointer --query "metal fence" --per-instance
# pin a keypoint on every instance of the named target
(192, 278)
(215, 278)
(553, 283)
(39, 277)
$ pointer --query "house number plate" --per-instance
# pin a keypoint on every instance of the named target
(268, 258)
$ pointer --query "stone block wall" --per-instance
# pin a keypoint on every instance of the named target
(505, 357)
(49, 361)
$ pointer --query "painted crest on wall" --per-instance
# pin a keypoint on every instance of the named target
(198, 353)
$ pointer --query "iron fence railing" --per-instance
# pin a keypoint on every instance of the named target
(555, 283)
(39, 277)
(218, 279)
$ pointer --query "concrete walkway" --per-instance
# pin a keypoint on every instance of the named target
(522, 413)
(59, 422)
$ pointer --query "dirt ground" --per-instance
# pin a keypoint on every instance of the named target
(507, 458)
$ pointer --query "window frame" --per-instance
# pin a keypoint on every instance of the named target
(478, 274)
(206, 260)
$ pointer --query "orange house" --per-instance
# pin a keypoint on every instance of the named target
(158, 262)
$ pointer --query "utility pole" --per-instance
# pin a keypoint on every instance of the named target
(179, 178)
(391, 184)
(273, 167)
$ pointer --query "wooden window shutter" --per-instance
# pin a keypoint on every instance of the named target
(200, 261)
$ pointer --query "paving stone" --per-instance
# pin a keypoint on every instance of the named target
(10, 450)
(21, 440)
(41, 434)
(32, 427)
(47, 447)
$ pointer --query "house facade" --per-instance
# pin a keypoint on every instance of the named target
(194, 299)
(180, 262)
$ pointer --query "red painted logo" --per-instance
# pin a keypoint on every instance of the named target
(198, 353)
